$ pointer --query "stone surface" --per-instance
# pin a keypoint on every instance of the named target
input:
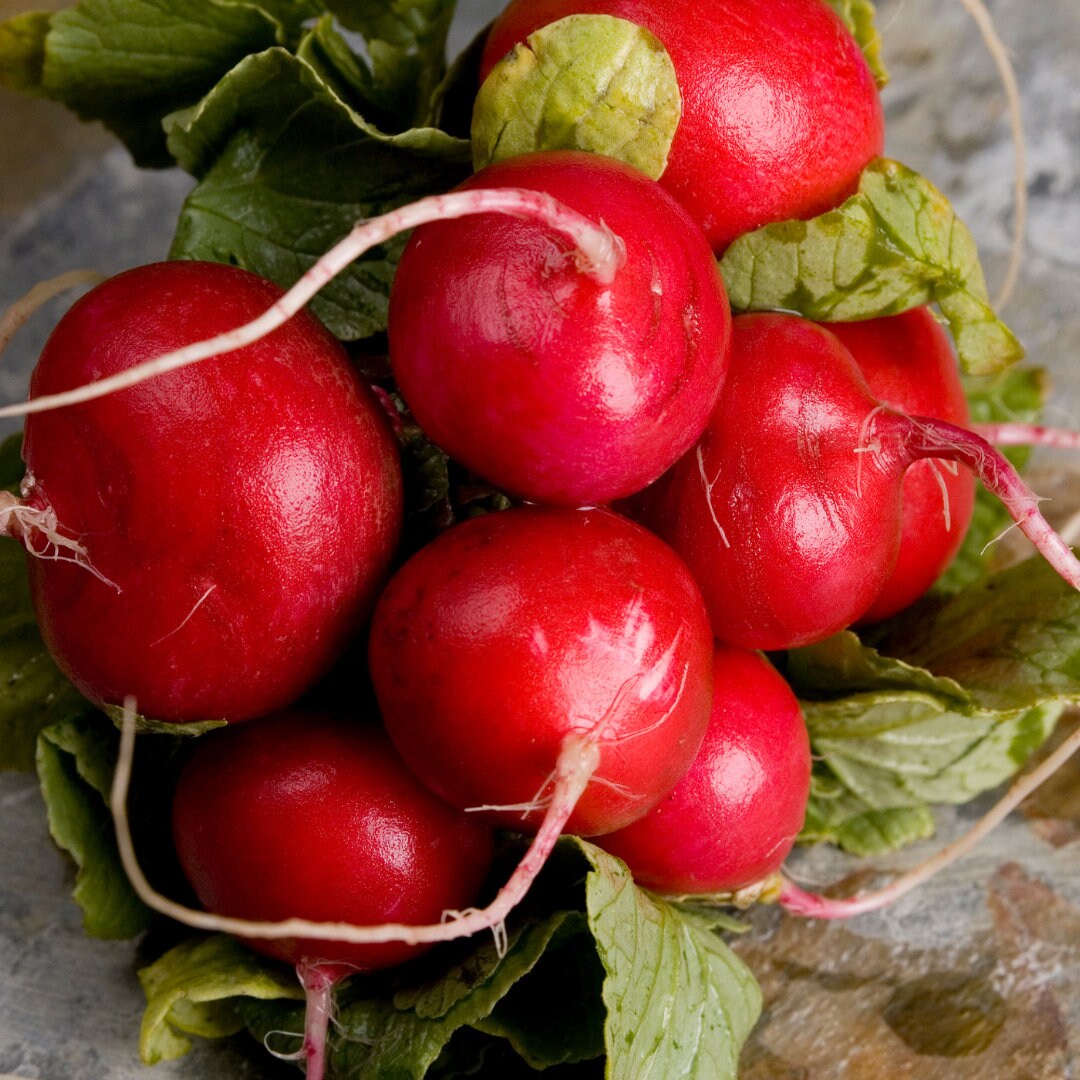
(977, 974)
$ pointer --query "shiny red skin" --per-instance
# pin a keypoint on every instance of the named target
(513, 630)
(534, 376)
(908, 362)
(732, 819)
(245, 508)
(314, 816)
(812, 526)
(780, 110)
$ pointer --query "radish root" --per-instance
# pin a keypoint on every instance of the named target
(598, 253)
(920, 437)
(38, 530)
(577, 762)
(21, 310)
(799, 902)
(983, 20)
(1017, 434)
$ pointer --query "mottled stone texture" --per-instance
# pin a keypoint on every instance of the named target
(978, 974)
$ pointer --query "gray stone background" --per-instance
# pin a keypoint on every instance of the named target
(990, 951)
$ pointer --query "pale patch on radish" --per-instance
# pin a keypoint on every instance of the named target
(799, 902)
(935, 467)
(21, 310)
(868, 444)
(597, 252)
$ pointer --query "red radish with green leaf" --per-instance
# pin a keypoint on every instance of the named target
(780, 111)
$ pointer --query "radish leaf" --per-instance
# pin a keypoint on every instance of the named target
(894, 245)
(585, 82)
(286, 169)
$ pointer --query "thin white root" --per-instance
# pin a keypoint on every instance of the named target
(996, 47)
(577, 762)
(39, 532)
(708, 486)
(16, 315)
(599, 255)
(798, 902)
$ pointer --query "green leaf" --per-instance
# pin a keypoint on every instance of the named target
(195, 989)
(128, 63)
(75, 762)
(33, 691)
(148, 726)
(403, 1034)
(406, 43)
(836, 815)
(858, 17)
(679, 1002)
(894, 245)
(938, 758)
(585, 82)
(22, 51)
(957, 694)
(1012, 639)
(286, 169)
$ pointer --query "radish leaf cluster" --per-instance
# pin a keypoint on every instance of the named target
(612, 941)
(892, 246)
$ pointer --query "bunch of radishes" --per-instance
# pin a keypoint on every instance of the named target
(212, 538)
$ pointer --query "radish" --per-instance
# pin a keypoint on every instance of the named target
(780, 109)
(517, 634)
(788, 510)
(731, 820)
(548, 668)
(908, 363)
(550, 385)
(211, 541)
(316, 816)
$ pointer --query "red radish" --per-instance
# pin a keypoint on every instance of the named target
(316, 816)
(226, 527)
(780, 110)
(515, 632)
(908, 363)
(555, 659)
(788, 511)
(734, 816)
(550, 385)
